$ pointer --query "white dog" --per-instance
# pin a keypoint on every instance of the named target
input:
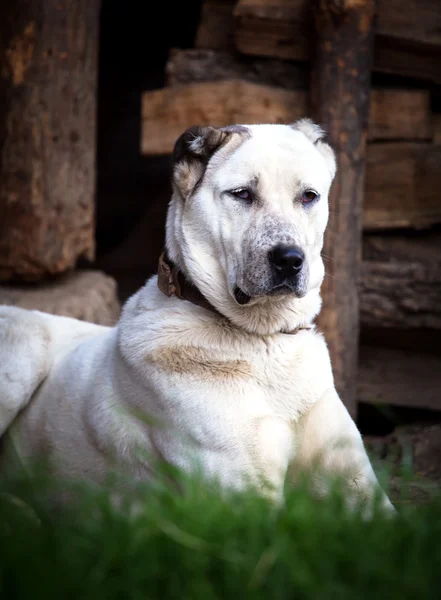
(216, 359)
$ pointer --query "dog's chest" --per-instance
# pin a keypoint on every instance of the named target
(271, 371)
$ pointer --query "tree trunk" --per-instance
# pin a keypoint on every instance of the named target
(48, 77)
(340, 96)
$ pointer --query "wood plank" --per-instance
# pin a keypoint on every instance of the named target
(216, 26)
(399, 378)
(408, 33)
(166, 113)
(401, 294)
(48, 70)
(340, 94)
(402, 185)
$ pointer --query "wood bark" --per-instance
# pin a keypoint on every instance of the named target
(399, 378)
(408, 35)
(340, 95)
(48, 77)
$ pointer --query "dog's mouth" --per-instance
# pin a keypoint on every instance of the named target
(279, 290)
(241, 297)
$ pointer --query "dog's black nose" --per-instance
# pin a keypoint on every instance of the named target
(286, 260)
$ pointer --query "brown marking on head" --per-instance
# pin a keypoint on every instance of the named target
(194, 149)
(199, 363)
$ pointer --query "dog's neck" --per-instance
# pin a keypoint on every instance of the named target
(172, 282)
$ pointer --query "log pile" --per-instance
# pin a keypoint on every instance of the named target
(252, 62)
(48, 79)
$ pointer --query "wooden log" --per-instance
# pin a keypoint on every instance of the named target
(402, 185)
(401, 295)
(196, 66)
(437, 128)
(168, 112)
(278, 28)
(216, 27)
(85, 295)
(48, 76)
(408, 40)
(340, 97)
(399, 378)
(407, 247)
(396, 114)
(396, 57)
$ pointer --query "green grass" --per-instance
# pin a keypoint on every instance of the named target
(198, 545)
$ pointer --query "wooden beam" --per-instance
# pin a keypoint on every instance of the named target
(399, 114)
(216, 27)
(404, 247)
(166, 113)
(399, 378)
(437, 128)
(340, 95)
(48, 78)
(396, 114)
(196, 66)
(401, 294)
(408, 40)
(398, 57)
(402, 185)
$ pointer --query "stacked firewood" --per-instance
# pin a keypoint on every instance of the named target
(251, 64)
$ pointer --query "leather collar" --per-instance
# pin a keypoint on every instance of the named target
(172, 282)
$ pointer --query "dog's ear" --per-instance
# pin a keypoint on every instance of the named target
(317, 136)
(192, 152)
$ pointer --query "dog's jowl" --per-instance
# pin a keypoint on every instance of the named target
(215, 363)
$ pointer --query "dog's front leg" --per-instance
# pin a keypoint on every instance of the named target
(329, 445)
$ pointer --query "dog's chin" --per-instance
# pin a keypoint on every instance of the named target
(282, 290)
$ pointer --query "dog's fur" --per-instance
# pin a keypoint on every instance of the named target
(235, 391)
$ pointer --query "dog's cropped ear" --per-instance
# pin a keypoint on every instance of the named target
(192, 152)
(317, 136)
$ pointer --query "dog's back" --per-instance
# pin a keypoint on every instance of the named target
(29, 342)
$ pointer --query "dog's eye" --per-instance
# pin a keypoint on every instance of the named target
(309, 196)
(242, 194)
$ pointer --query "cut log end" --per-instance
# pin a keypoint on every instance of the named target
(85, 295)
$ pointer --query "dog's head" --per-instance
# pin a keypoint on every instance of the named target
(247, 218)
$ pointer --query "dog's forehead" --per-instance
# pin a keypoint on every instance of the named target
(274, 153)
